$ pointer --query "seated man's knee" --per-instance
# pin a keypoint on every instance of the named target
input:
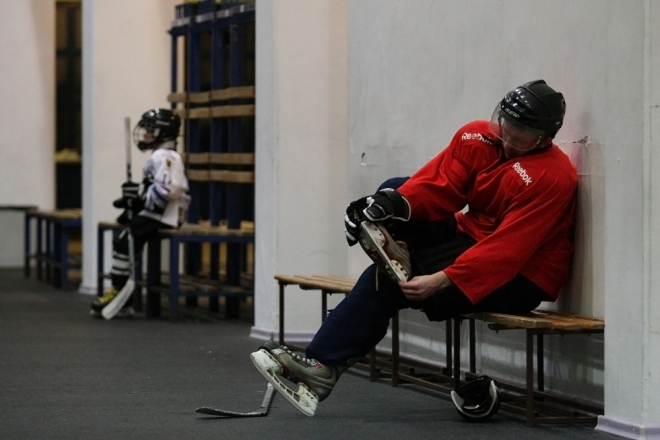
(393, 183)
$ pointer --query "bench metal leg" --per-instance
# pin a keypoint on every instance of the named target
(395, 350)
(153, 278)
(530, 378)
(281, 284)
(448, 345)
(27, 245)
(457, 352)
(473, 346)
(100, 256)
(540, 381)
(62, 255)
(174, 277)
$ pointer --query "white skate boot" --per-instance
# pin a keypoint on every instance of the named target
(315, 381)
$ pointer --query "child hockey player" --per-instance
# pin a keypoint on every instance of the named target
(158, 202)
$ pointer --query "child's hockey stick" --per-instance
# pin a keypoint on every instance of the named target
(118, 302)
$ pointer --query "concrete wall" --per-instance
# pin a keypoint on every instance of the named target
(301, 154)
(418, 70)
(27, 117)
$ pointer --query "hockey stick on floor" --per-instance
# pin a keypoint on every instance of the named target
(114, 306)
(269, 395)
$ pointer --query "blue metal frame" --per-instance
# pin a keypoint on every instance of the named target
(225, 200)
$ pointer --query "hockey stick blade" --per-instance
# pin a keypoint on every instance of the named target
(269, 395)
(118, 302)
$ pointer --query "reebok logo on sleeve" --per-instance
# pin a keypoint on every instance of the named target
(523, 174)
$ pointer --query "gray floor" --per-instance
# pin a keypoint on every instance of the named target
(66, 375)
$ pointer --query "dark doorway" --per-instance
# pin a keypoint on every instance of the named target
(68, 159)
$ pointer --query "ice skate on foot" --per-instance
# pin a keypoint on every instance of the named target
(315, 381)
(98, 304)
(389, 255)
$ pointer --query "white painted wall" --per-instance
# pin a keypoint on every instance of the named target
(418, 70)
(126, 71)
(301, 155)
(27, 117)
(393, 80)
(27, 94)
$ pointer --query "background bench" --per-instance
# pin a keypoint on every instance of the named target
(177, 281)
(50, 247)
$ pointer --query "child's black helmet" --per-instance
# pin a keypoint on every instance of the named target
(161, 124)
(535, 105)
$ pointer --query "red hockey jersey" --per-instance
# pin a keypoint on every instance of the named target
(520, 211)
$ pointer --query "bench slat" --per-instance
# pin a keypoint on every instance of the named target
(539, 319)
(331, 283)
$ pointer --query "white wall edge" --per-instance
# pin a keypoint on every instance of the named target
(626, 429)
(293, 336)
(87, 289)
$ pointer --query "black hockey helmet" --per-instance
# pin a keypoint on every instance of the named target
(155, 127)
(535, 105)
(477, 400)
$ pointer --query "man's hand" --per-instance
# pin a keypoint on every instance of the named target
(423, 286)
(385, 204)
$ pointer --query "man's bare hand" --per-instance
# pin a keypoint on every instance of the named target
(421, 287)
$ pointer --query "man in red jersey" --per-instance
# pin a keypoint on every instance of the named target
(487, 226)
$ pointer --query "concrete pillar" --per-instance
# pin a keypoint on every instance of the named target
(301, 155)
(126, 71)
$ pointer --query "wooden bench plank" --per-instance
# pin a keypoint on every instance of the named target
(233, 93)
(199, 97)
(511, 320)
(539, 319)
(329, 283)
(230, 111)
(231, 158)
(231, 176)
(177, 97)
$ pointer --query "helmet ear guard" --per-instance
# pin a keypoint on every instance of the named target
(477, 400)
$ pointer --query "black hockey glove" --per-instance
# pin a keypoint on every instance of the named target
(386, 204)
(130, 191)
(130, 196)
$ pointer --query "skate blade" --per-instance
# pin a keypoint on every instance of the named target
(372, 241)
(304, 400)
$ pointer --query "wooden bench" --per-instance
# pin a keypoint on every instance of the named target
(51, 247)
(172, 282)
(537, 405)
(234, 287)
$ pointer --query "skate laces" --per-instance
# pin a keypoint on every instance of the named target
(300, 359)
